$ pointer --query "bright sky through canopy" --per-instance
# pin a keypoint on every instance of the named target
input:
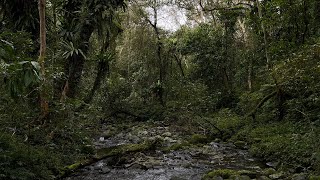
(171, 18)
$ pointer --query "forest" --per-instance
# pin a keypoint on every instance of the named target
(159, 89)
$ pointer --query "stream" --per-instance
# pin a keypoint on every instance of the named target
(190, 163)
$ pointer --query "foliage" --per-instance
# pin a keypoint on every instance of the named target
(20, 74)
(212, 73)
(21, 161)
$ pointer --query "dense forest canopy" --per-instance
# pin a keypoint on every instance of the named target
(240, 71)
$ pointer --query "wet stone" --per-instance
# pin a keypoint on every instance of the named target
(188, 163)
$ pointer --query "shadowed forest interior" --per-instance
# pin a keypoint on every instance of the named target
(159, 89)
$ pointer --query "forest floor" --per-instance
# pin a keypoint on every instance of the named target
(181, 156)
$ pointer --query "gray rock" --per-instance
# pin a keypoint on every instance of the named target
(143, 133)
(299, 177)
(277, 175)
(272, 164)
(105, 170)
(240, 144)
(170, 140)
(177, 178)
(99, 166)
(91, 168)
(263, 178)
(217, 178)
(167, 134)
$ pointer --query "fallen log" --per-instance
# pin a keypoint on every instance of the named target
(109, 152)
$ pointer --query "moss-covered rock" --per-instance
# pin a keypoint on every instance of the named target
(314, 177)
(224, 173)
(199, 139)
(240, 144)
(177, 146)
(231, 174)
(269, 171)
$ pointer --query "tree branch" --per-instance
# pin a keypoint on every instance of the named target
(237, 6)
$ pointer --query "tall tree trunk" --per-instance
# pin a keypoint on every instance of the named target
(75, 64)
(179, 64)
(160, 88)
(43, 94)
(264, 34)
(250, 69)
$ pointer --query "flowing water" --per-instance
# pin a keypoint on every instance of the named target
(189, 163)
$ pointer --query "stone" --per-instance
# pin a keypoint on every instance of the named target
(105, 170)
(272, 164)
(263, 178)
(167, 134)
(314, 177)
(269, 171)
(217, 178)
(170, 140)
(199, 139)
(244, 177)
(277, 175)
(143, 133)
(299, 177)
(176, 178)
(240, 144)
(250, 174)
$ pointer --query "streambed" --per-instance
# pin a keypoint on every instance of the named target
(187, 163)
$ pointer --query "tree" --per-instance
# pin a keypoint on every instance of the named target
(78, 27)
(43, 94)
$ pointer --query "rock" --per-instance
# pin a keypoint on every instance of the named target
(143, 133)
(257, 140)
(91, 168)
(272, 164)
(263, 178)
(244, 177)
(167, 134)
(250, 174)
(99, 166)
(170, 140)
(177, 178)
(269, 171)
(314, 177)
(137, 166)
(199, 139)
(107, 134)
(217, 178)
(240, 144)
(237, 177)
(215, 145)
(105, 170)
(299, 177)
(101, 139)
(277, 175)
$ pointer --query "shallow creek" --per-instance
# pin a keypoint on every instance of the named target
(189, 163)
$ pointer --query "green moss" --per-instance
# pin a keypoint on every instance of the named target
(269, 171)
(199, 139)
(240, 144)
(231, 174)
(73, 166)
(177, 146)
(314, 178)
